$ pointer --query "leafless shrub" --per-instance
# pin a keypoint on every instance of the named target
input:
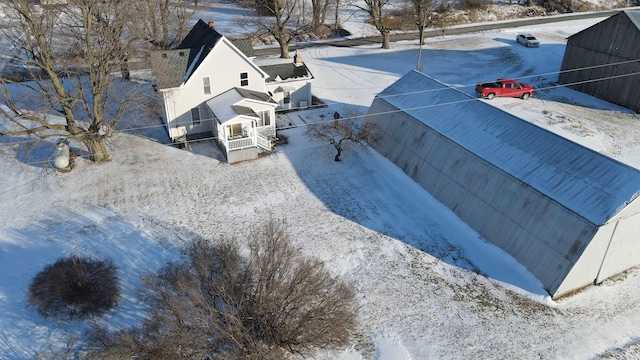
(221, 304)
(560, 6)
(66, 351)
(343, 132)
(403, 18)
(74, 287)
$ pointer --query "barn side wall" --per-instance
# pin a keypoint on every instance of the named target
(538, 232)
(623, 251)
(613, 250)
(615, 40)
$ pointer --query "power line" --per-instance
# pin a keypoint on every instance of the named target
(365, 115)
(133, 129)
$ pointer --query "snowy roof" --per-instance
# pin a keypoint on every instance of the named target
(586, 182)
(227, 106)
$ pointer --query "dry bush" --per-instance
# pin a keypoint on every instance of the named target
(472, 4)
(74, 287)
(560, 6)
(403, 18)
(221, 304)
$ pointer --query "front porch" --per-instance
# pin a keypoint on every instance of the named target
(255, 137)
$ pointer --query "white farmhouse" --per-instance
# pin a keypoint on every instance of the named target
(211, 89)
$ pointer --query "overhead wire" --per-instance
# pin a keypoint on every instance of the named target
(134, 129)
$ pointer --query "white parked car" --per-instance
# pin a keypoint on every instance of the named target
(527, 40)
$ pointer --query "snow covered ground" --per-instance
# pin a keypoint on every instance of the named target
(428, 286)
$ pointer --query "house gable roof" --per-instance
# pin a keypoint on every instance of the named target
(201, 37)
(171, 70)
(169, 67)
(587, 183)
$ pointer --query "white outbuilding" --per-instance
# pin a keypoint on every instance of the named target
(569, 214)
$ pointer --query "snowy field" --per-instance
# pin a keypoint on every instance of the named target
(428, 286)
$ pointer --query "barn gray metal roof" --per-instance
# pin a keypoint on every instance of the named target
(586, 182)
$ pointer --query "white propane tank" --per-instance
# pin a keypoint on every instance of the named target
(61, 159)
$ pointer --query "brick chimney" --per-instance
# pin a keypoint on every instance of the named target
(297, 59)
(211, 24)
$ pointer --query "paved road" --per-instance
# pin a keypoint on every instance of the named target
(413, 35)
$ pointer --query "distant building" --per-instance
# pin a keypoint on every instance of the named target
(604, 60)
(569, 214)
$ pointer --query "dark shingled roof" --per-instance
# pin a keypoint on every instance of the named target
(243, 110)
(202, 36)
(169, 67)
(254, 95)
(286, 71)
(245, 46)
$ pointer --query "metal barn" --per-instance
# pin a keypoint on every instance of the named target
(604, 60)
(569, 214)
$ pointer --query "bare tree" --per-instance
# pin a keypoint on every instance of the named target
(221, 304)
(67, 56)
(319, 10)
(378, 17)
(282, 19)
(167, 25)
(424, 10)
(342, 133)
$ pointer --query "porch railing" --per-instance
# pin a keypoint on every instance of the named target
(267, 131)
(248, 141)
(263, 142)
(241, 143)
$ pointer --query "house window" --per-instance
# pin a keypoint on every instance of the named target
(287, 97)
(206, 85)
(195, 116)
(236, 130)
(244, 79)
(265, 118)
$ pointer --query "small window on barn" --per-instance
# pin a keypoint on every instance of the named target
(287, 97)
(206, 84)
(195, 116)
(244, 79)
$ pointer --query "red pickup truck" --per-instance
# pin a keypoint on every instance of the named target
(504, 87)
